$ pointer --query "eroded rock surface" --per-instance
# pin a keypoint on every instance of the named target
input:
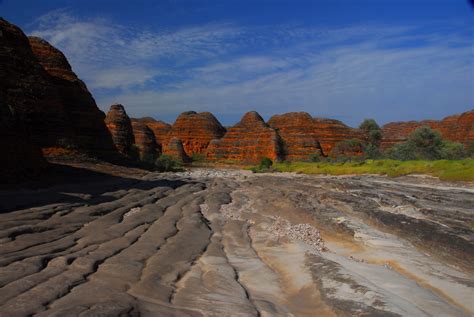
(249, 141)
(231, 243)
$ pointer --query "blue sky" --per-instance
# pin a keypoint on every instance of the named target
(383, 59)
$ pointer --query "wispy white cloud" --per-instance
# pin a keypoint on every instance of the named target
(386, 72)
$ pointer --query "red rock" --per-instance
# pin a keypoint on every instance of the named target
(196, 130)
(303, 135)
(175, 149)
(248, 141)
(456, 128)
(145, 141)
(160, 129)
(83, 117)
(297, 132)
(120, 127)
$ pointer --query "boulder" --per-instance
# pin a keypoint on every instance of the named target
(196, 130)
(120, 127)
(248, 141)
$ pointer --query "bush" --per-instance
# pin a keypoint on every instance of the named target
(265, 163)
(372, 152)
(401, 152)
(166, 163)
(452, 150)
(422, 144)
(316, 157)
(198, 157)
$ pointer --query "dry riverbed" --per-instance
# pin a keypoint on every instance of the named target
(231, 243)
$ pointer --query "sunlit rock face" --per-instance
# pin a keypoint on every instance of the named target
(120, 127)
(196, 130)
(248, 141)
(304, 135)
(457, 128)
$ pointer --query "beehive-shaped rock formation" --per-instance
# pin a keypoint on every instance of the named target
(160, 130)
(248, 141)
(120, 127)
(83, 117)
(175, 149)
(196, 130)
(145, 141)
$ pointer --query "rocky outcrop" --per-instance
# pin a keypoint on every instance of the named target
(47, 97)
(456, 128)
(20, 158)
(145, 141)
(297, 132)
(175, 149)
(28, 90)
(160, 129)
(248, 141)
(83, 117)
(303, 135)
(120, 127)
(196, 130)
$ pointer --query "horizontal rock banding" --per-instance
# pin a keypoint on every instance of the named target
(456, 128)
(120, 127)
(83, 117)
(196, 130)
(304, 136)
(249, 140)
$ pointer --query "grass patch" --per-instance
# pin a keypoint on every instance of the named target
(450, 170)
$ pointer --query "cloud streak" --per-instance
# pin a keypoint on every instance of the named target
(386, 72)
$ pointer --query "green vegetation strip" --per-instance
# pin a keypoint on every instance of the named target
(450, 170)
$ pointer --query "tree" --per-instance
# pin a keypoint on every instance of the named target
(372, 138)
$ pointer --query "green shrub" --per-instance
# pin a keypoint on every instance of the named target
(316, 157)
(452, 150)
(422, 144)
(372, 152)
(166, 163)
(198, 157)
(265, 163)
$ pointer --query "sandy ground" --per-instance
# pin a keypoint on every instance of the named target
(113, 241)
